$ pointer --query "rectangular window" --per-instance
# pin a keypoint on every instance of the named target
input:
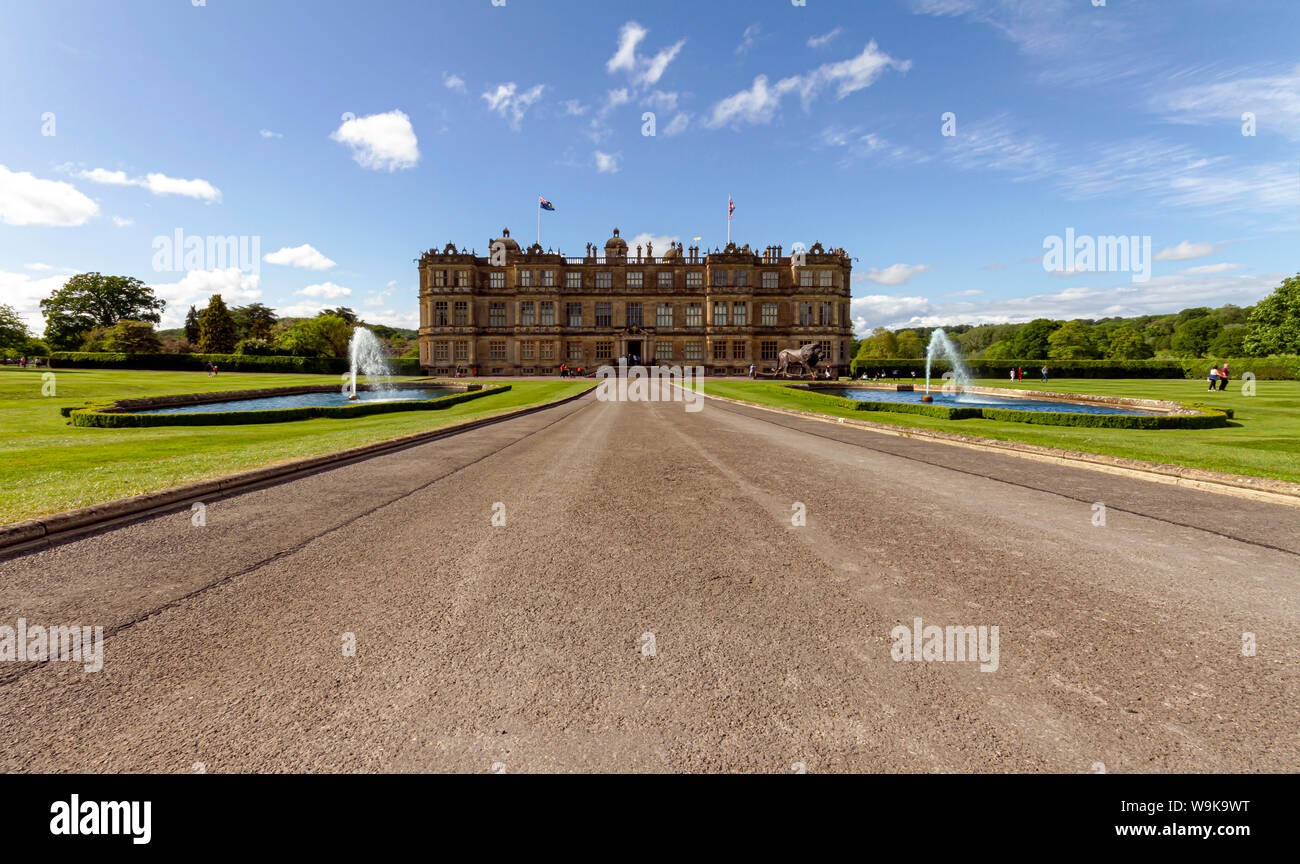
(719, 351)
(496, 279)
(827, 312)
(525, 278)
(740, 313)
(693, 350)
(666, 278)
(737, 350)
(546, 351)
(663, 349)
(441, 351)
(604, 279)
(496, 314)
(634, 315)
(720, 313)
(548, 278)
(440, 278)
(573, 314)
(769, 314)
(740, 277)
(462, 351)
(497, 349)
(527, 350)
(462, 278)
(664, 315)
(573, 279)
(634, 279)
(825, 278)
(604, 350)
(527, 316)
(547, 309)
(694, 314)
(805, 278)
(440, 313)
(573, 351)
(604, 317)
(719, 277)
(462, 313)
(768, 350)
(771, 279)
(805, 314)
(695, 279)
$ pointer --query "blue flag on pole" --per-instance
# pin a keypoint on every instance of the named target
(543, 203)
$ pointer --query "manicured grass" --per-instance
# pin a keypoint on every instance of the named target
(47, 466)
(1262, 440)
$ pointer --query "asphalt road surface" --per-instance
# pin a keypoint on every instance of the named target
(650, 605)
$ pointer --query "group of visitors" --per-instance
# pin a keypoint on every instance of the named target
(1018, 373)
(22, 362)
(211, 367)
(567, 371)
(1218, 375)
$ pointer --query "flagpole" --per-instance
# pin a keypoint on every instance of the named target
(539, 220)
(728, 220)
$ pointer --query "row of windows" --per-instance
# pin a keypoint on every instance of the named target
(534, 313)
(635, 278)
(529, 350)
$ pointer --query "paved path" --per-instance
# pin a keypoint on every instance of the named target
(521, 645)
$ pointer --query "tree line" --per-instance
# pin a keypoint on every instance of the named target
(93, 312)
(1269, 328)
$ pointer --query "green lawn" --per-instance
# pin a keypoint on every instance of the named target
(47, 466)
(1263, 440)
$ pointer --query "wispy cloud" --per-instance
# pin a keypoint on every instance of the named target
(512, 103)
(823, 40)
(158, 184)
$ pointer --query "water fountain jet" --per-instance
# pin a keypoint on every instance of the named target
(941, 345)
(367, 356)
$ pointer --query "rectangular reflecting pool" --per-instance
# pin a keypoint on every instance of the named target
(978, 400)
(332, 399)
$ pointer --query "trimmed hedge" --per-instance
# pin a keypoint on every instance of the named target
(1210, 418)
(225, 362)
(97, 415)
(1286, 367)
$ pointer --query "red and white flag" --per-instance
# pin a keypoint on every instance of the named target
(731, 207)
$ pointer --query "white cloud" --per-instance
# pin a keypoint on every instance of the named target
(123, 222)
(511, 104)
(304, 256)
(822, 40)
(158, 184)
(29, 200)
(644, 71)
(895, 274)
(661, 242)
(1187, 250)
(328, 290)
(267, 133)
(574, 108)
(453, 82)
(1209, 269)
(969, 292)
(759, 103)
(380, 142)
(749, 38)
(624, 58)
(25, 294)
(661, 101)
(39, 267)
(606, 163)
(302, 309)
(196, 286)
(678, 124)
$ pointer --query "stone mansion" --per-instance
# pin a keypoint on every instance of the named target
(526, 311)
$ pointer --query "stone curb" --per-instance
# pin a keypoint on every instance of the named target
(45, 530)
(1239, 485)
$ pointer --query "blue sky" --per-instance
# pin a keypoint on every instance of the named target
(345, 138)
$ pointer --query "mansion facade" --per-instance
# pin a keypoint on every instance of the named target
(527, 311)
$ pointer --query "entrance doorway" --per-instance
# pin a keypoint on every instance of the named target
(634, 350)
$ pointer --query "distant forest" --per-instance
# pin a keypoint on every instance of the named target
(1269, 328)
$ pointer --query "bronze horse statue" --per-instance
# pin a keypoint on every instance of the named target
(808, 357)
